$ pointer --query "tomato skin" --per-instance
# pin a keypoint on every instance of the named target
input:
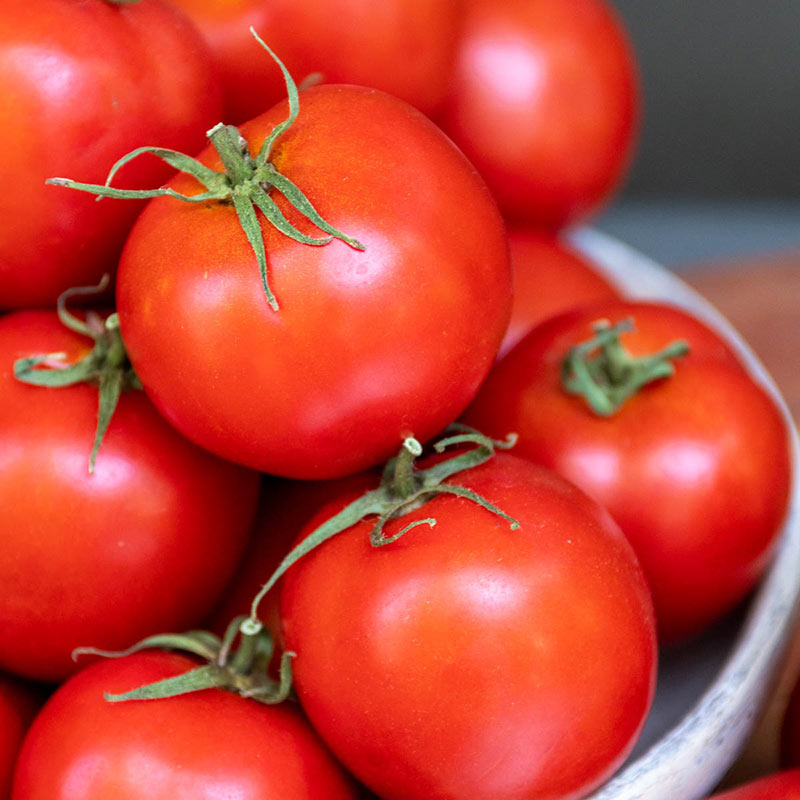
(544, 101)
(403, 47)
(366, 347)
(549, 277)
(476, 661)
(145, 544)
(83, 84)
(694, 468)
(18, 705)
(779, 786)
(198, 746)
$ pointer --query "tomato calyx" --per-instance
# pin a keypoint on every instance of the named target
(242, 669)
(106, 365)
(603, 372)
(402, 489)
(245, 182)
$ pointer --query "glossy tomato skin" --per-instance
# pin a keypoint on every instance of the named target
(779, 786)
(544, 101)
(694, 468)
(366, 347)
(83, 84)
(18, 705)
(549, 278)
(199, 746)
(143, 545)
(471, 660)
(404, 47)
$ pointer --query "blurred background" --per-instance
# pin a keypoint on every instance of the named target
(717, 172)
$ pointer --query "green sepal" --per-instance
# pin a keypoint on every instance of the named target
(606, 375)
(208, 676)
(245, 182)
(402, 490)
(106, 365)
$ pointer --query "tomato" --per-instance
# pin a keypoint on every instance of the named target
(404, 47)
(82, 84)
(144, 544)
(544, 101)
(367, 346)
(18, 705)
(549, 277)
(694, 468)
(471, 660)
(204, 745)
(780, 786)
(284, 508)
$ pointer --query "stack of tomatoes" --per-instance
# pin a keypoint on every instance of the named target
(326, 288)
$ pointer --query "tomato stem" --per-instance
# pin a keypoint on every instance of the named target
(603, 372)
(106, 366)
(402, 490)
(245, 181)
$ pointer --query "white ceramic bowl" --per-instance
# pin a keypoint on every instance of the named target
(709, 692)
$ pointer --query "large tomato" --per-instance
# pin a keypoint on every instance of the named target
(144, 544)
(201, 746)
(470, 660)
(544, 102)
(779, 786)
(694, 468)
(549, 277)
(81, 84)
(18, 705)
(404, 47)
(367, 347)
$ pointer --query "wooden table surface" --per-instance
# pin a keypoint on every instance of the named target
(761, 298)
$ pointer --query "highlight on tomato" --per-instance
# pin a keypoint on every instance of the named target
(652, 414)
(84, 83)
(490, 636)
(316, 285)
(145, 541)
(544, 100)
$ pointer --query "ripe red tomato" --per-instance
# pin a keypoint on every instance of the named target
(82, 84)
(471, 660)
(404, 47)
(694, 468)
(549, 277)
(144, 544)
(18, 706)
(780, 786)
(205, 745)
(367, 346)
(544, 102)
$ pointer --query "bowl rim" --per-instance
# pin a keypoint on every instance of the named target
(692, 757)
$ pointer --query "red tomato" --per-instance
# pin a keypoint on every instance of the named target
(84, 83)
(284, 508)
(471, 660)
(367, 347)
(18, 705)
(780, 786)
(544, 102)
(549, 277)
(404, 47)
(200, 746)
(144, 544)
(694, 468)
